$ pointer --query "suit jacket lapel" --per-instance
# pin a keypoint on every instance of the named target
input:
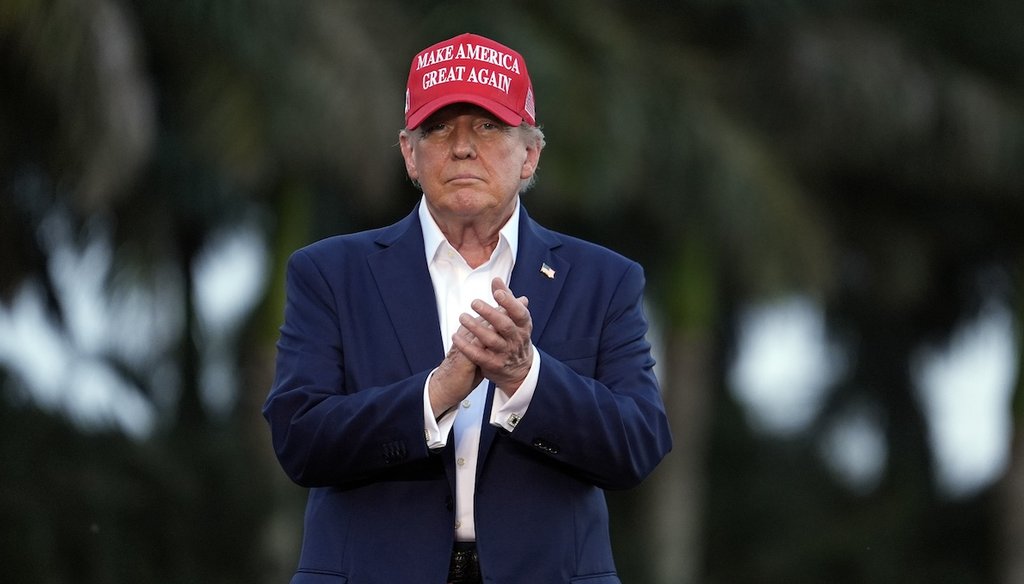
(537, 248)
(403, 281)
(539, 272)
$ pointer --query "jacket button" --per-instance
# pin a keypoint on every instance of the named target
(546, 446)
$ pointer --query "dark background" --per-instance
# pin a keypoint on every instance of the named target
(863, 157)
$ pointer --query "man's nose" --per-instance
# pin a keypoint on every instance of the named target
(463, 144)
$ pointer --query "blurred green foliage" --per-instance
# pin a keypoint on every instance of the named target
(865, 155)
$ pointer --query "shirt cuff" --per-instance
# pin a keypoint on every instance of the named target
(506, 412)
(436, 431)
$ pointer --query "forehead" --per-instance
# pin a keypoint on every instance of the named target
(459, 109)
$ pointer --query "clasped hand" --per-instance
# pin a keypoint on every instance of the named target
(494, 345)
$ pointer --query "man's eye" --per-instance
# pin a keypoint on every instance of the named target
(491, 127)
(431, 129)
(434, 126)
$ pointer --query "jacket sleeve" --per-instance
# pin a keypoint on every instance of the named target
(597, 407)
(324, 431)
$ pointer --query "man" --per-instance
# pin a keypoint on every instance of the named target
(457, 389)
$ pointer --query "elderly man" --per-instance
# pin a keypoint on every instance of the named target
(459, 388)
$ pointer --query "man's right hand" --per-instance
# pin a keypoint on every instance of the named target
(453, 380)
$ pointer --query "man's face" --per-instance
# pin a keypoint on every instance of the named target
(468, 163)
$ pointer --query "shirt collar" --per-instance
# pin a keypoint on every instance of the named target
(433, 237)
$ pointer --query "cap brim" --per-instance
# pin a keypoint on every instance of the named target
(503, 113)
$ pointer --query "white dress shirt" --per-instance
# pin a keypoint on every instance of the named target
(456, 285)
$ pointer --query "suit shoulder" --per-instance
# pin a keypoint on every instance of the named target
(342, 243)
(360, 243)
(578, 249)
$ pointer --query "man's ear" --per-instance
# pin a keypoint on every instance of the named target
(531, 162)
(405, 143)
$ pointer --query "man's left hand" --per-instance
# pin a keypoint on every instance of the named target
(502, 348)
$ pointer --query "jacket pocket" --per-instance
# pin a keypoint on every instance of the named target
(607, 578)
(579, 354)
(310, 577)
(570, 349)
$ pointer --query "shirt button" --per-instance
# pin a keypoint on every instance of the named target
(458, 524)
(466, 403)
(461, 461)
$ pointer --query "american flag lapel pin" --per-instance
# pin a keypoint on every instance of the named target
(547, 271)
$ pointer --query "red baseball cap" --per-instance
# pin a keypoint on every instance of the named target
(470, 69)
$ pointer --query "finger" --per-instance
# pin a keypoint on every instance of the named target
(468, 334)
(485, 331)
(515, 307)
(507, 325)
(499, 284)
(502, 294)
(488, 312)
(491, 313)
(472, 351)
(475, 325)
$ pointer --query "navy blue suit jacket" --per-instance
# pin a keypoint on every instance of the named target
(360, 336)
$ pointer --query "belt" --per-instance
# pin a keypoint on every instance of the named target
(465, 565)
